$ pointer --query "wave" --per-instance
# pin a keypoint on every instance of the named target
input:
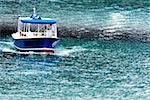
(95, 33)
(113, 19)
(128, 33)
(85, 3)
(68, 51)
(6, 43)
(57, 51)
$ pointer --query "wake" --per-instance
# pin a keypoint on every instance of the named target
(8, 48)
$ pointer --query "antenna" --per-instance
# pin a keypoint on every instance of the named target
(34, 15)
(34, 11)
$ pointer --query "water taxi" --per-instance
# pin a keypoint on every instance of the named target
(35, 34)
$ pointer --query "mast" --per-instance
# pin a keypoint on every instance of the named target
(34, 15)
(34, 11)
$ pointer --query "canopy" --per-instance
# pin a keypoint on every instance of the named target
(39, 21)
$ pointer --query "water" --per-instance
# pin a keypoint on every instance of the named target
(89, 69)
(119, 19)
(112, 15)
(111, 64)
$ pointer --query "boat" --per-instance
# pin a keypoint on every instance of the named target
(35, 34)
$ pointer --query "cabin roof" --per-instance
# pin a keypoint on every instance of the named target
(38, 21)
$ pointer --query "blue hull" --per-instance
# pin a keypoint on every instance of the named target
(35, 44)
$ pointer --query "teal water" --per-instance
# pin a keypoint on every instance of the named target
(84, 70)
(121, 19)
(99, 14)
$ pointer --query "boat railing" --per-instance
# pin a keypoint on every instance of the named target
(36, 34)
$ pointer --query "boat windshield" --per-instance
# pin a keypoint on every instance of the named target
(27, 27)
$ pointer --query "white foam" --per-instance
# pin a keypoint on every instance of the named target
(67, 52)
(7, 43)
(8, 50)
(58, 52)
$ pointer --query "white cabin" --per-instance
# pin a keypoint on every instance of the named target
(35, 28)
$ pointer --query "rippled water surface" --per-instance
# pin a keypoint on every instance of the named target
(119, 19)
(81, 69)
(85, 69)
(107, 14)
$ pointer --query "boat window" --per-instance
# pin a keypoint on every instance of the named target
(42, 28)
(24, 27)
(49, 27)
(33, 27)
